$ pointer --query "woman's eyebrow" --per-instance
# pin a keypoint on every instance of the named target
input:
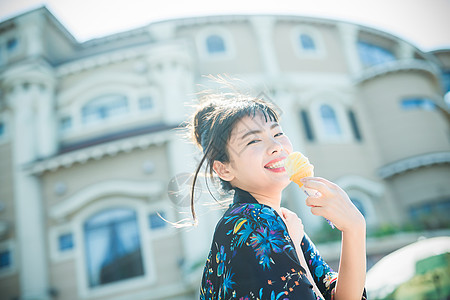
(258, 131)
(250, 133)
(274, 125)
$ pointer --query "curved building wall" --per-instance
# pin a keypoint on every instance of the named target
(404, 132)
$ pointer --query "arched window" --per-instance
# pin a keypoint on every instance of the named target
(104, 107)
(371, 54)
(113, 248)
(329, 121)
(215, 44)
(307, 43)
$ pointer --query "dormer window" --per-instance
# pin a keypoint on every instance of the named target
(307, 42)
(104, 107)
(215, 44)
(371, 54)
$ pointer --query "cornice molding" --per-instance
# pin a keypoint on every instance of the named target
(160, 49)
(412, 163)
(397, 66)
(97, 152)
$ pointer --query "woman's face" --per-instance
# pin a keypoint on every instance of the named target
(257, 150)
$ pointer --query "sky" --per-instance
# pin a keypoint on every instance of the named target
(424, 23)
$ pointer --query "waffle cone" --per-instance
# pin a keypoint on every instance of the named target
(298, 166)
(307, 171)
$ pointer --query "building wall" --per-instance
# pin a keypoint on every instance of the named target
(329, 57)
(401, 133)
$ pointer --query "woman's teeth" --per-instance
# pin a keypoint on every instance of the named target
(276, 165)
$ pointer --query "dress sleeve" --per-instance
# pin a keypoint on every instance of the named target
(324, 276)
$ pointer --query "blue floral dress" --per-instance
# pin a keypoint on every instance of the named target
(253, 257)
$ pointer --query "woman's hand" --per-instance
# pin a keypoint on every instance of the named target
(334, 204)
(294, 225)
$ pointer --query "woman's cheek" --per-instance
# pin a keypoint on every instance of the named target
(287, 144)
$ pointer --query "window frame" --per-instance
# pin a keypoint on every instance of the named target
(5, 54)
(54, 233)
(315, 35)
(5, 119)
(148, 258)
(9, 245)
(428, 104)
(341, 117)
(374, 45)
(135, 115)
(89, 229)
(227, 38)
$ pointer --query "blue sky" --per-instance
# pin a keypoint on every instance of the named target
(424, 23)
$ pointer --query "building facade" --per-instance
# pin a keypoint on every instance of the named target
(91, 153)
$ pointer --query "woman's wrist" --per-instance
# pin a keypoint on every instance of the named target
(357, 227)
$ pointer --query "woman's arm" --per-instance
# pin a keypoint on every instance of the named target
(334, 204)
(352, 266)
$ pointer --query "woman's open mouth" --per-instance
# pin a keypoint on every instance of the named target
(276, 165)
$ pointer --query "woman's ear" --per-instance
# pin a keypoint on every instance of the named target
(222, 171)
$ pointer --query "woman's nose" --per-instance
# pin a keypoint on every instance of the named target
(275, 146)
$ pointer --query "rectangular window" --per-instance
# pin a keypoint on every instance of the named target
(156, 222)
(307, 125)
(145, 103)
(354, 124)
(2, 129)
(65, 124)
(5, 259)
(431, 215)
(417, 103)
(65, 242)
(11, 44)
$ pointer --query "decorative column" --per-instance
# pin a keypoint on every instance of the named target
(170, 67)
(263, 27)
(349, 34)
(30, 96)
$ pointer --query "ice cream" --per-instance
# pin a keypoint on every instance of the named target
(298, 166)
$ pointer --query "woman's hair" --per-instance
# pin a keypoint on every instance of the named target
(211, 126)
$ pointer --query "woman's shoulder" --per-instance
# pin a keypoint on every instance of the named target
(241, 213)
(244, 219)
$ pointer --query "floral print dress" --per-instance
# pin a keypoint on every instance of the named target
(253, 257)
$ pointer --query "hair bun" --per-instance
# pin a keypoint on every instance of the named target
(202, 123)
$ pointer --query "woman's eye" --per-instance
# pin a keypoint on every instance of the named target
(252, 142)
(279, 134)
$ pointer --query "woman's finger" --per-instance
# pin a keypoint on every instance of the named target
(314, 201)
(312, 183)
(326, 182)
(317, 211)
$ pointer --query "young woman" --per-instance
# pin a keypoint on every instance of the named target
(259, 249)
